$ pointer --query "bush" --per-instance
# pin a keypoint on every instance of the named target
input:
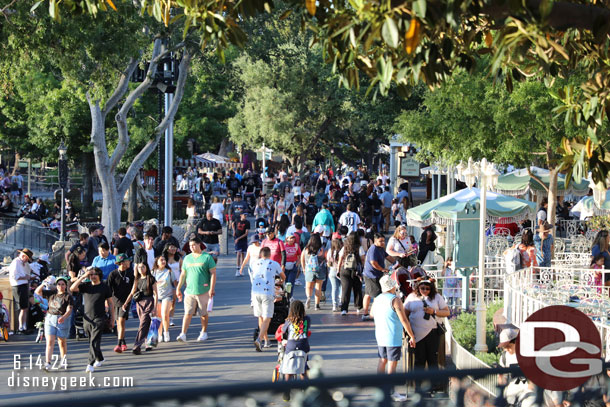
(490, 358)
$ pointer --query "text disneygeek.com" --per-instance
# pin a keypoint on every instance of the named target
(20, 381)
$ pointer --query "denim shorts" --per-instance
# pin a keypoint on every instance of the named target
(52, 327)
(319, 274)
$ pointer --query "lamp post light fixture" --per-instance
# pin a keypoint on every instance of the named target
(599, 193)
(62, 169)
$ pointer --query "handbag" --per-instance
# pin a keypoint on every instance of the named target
(138, 295)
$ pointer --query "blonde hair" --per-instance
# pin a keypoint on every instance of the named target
(215, 199)
(397, 231)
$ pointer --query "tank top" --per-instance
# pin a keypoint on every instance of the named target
(388, 329)
(175, 268)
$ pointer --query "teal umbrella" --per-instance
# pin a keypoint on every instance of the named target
(444, 210)
(519, 182)
(586, 207)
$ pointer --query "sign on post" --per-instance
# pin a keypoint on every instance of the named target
(409, 167)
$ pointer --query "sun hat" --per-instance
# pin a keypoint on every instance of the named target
(507, 335)
(45, 258)
(386, 283)
(28, 253)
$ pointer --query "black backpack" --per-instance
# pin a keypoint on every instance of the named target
(140, 255)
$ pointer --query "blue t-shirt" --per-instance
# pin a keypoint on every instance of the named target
(377, 254)
(105, 264)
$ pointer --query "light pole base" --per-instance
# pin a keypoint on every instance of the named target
(481, 345)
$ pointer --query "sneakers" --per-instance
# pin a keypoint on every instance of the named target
(396, 396)
(318, 307)
(359, 311)
(124, 347)
(366, 317)
(298, 282)
(286, 396)
(237, 274)
(148, 348)
(136, 351)
(308, 303)
(171, 322)
(181, 338)
(343, 313)
(202, 336)
(267, 344)
(47, 366)
(257, 345)
(89, 369)
(323, 299)
(118, 349)
(166, 336)
(98, 363)
(335, 308)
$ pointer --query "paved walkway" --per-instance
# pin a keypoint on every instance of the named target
(346, 344)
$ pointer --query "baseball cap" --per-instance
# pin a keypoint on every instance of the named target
(507, 335)
(386, 283)
(255, 238)
(121, 258)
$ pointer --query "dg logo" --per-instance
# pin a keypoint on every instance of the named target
(559, 348)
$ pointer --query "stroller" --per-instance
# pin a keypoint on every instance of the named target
(293, 363)
(280, 310)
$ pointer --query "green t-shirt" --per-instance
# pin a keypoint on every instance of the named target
(197, 269)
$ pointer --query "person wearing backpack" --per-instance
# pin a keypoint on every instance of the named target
(351, 259)
(313, 264)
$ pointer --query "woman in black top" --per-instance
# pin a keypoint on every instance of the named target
(146, 301)
(57, 321)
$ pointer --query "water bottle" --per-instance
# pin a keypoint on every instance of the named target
(288, 288)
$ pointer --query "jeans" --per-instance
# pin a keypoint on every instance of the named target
(426, 351)
(378, 221)
(145, 308)
(335, 284)
(291, 275)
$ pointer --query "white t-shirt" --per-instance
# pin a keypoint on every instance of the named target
(541, 215)
(415, 307)
(217, 210)
(292, 229)
(150, 258)
(351, 220)
(361, 252)
(399, 246)
(263, 276)
(254, 253)
(191, 211)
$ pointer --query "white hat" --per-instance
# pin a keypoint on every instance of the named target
(319, 229)
(45, 258)
(507, 335)
(386, 283)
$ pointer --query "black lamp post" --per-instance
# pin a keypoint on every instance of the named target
(63, 183)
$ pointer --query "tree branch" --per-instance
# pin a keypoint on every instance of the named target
(537, 179)
(122, 86)
(98, 138)
(160, 129)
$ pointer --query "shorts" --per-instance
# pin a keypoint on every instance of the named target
(191, 302)
(52, 327)
(213, 247)
(21, 295)
(168, 298)
(263, 305)
(241, 246)
(118, 309)
(319, 274)
(391, 353)
(372, 287)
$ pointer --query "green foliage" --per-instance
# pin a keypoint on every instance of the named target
(599, 222)
(464, 332)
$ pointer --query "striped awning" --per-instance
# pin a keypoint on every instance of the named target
(218, 160)
(195, 162)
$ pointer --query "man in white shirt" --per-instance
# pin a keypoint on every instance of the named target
(350, 219)
(19, 278)
(263, 294)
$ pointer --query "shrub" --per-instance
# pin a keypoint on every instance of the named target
(490, 358)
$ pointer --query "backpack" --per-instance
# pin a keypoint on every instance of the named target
(512, 257)
(312, 264)
(351, 262)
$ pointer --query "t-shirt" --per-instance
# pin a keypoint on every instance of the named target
(241, 228)
(120, 284)
(146, 285)
(217, 210)
(377, 254)
(159, 244)
(239, 207)
(58, 303)
(399, 246)
(386, 198)
(254, 252)
(105, 264)
(277, 247)
(209, 226)
(94, 297)
(293, 253)
(165, 282)
(541, 215)
(263, 276)
(197, 269)
(388, 329)
(402, 195)
(124, 245)
(351, 220)
(415, 306)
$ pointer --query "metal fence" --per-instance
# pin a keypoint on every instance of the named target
(344, 391)
(20, 235)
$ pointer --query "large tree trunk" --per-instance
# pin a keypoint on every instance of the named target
(552, 197)
(88, 167)
(17, 159)
(132, 206)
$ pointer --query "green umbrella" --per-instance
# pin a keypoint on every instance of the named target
(519, 182)
(444, 210)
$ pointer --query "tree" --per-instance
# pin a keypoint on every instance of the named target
(469, 117)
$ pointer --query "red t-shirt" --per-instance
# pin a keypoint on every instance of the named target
(277, 247)
(293, 253)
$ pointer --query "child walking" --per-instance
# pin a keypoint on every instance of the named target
(598, 264)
